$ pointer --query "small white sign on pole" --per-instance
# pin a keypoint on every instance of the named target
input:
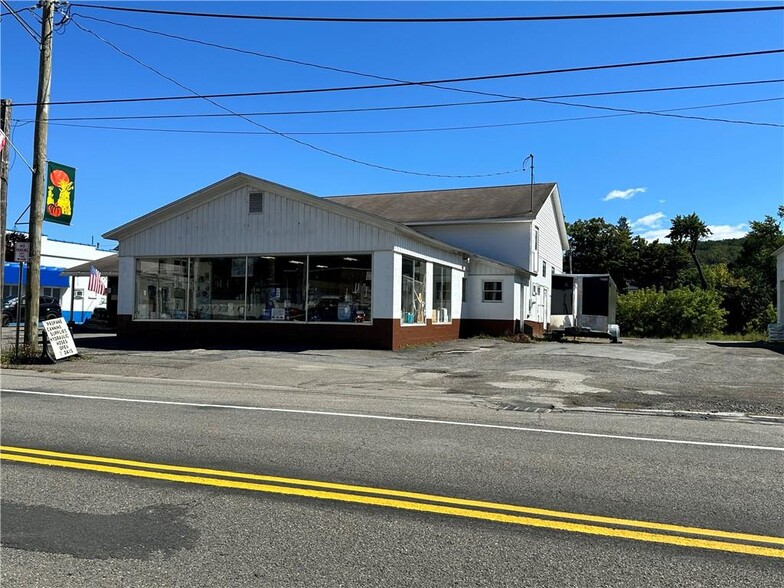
(59, 336)
(22, 251)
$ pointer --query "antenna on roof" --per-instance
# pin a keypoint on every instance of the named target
(531, 157)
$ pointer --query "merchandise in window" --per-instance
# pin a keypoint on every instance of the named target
(276, 288)
(218, 291)
(161, 287)
(442, 294)
(412, 293)
(339, 288)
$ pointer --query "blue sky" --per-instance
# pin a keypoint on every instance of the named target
(646, 168)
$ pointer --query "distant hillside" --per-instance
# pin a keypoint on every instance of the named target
(722, 251)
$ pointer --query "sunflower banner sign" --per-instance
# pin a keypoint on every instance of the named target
(60, 182)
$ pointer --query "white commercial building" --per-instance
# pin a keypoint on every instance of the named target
(249, 261)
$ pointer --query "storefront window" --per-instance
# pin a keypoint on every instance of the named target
(261, 288)
(412, 292)
(442, 294)
(339, 288)
(161, 288)
(218, 291)
(276, 288)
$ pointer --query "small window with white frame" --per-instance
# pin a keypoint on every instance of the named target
(535, 249)
(544, 269)
(492, 291)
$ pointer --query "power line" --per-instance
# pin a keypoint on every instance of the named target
(438, 20)
(278, 133)
(15, 13)
(429, 83)
(453, 128)
(239, 50)
(416, 106)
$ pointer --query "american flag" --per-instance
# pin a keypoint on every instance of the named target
(95, 284)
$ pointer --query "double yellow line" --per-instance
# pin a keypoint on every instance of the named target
(637, 530)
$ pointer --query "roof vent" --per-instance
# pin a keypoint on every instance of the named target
(256, 205)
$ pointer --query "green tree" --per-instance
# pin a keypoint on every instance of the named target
(599, 247)
(688, 230)
(757, 266)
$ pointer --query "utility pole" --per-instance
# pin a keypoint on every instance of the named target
(5, 128)
(38, 185)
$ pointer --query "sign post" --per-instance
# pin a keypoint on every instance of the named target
(21, 255)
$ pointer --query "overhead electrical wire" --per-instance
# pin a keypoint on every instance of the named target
(415, 106)
(435, 129)
(429, 83)
(531, 18)
(284, 135)
(437, 85)
(15, 13)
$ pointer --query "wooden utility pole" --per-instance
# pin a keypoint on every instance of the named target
(38, 186)
(5, 127)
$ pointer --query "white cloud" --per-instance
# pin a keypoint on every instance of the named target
(727, 231)
(649, 221)
(660, 234)
(717, 231)
(662, 201)
(623, 194)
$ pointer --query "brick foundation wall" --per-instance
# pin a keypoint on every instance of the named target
(405, 335)
(533, 329)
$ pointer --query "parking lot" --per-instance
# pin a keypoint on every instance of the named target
(689, 376)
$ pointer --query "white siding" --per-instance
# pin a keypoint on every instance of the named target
(506, 242)
(127, 283)
(386, 285)
(537, 306)
(549, 238)
(223, 226)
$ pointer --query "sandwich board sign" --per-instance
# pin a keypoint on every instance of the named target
(59, 336)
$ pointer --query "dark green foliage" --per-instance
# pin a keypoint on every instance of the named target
(677, 313)
(724, 251)
(757, 266)
(599, 247)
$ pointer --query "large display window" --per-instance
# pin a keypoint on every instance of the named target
(442, 294)
(257, 288)
(161, 288)
(276, 288)
(339, 288)
(218, 291)
(412, 293)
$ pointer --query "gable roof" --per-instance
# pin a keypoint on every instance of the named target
(463, 204)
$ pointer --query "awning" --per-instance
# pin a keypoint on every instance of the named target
(109, 266)
(50, 276)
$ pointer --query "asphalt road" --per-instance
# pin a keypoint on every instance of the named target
(121, 524)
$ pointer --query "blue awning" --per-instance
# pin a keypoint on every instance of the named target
(50, 276)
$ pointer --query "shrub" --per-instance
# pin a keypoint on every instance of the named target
(683, 312)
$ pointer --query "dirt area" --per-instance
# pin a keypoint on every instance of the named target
(685, 375)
